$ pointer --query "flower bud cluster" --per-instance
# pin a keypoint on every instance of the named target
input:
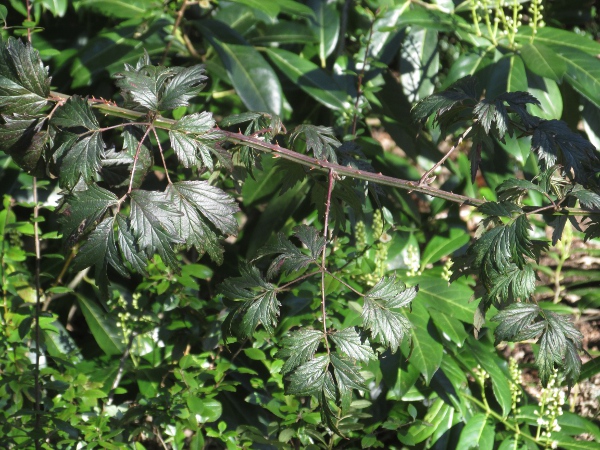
(413, 260)
(552, 398)
(515, 383)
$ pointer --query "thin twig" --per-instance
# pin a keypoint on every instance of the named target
(324, 254)
(425, 178)
(361, 75)
(162, 156)
(38, 302)
(135, 158)
(175, 27)
(121, 369)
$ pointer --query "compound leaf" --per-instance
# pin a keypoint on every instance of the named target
(82, 209)
(513, 319)
(76, 112)
(79, 159)
(152, 215)
(186, 84)
(387, 325)
(346, 374)
(349, 342)
(100, 250)
(309, 378)
(260, 304)
(213, 203)
(298, 347)
(24, 81)
(320, 140)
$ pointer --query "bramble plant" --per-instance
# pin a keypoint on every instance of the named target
(288, 272)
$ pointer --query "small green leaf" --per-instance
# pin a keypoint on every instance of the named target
(104, 329)
(477, 433)
(319, 139)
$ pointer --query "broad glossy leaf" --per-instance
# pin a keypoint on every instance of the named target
(451, 328)
(543, 61)
(252, 77)
(452, 299)
(477, 433)
(507, 75)
(441, 245)
(299, 347)
(426, 352)
(488, 359)
(22, 137)
(123, 9)
(468, 64)
(583, 73)
(104, 329)
(309, 378)
(284, 32)
(152, 215)
(24, 81)
(270, 8)
(349, 342)
(421, 430)
(419, 63)
(553, 37)
(433, 20)
(310, 78)
(326, 26)
(549, 95)
(114, 47)
(58, 8)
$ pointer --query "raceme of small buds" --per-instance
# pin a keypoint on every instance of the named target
(413, 261)
(515, 384)
(550, 404)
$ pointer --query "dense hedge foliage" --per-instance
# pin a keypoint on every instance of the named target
(299, 224)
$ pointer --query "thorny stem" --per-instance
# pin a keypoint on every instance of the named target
(313, 163)
(425, 178)
(324, 253)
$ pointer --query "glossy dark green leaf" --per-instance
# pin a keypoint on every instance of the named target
(253, 79)
(441, 245)
(76, 112)
(433, 20)
(130, 251)
(326, 26)
(185, 85)
(284, 32)
(346, 374)
(114, 47)
(419, 63)
(22, 137)
(553, 37)
(80, 159)
(104, 329)
(452, 299)
(310, 78)
(583, 72)
(426, 352)
(543, 61)
(24, 81)
(123, 9)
